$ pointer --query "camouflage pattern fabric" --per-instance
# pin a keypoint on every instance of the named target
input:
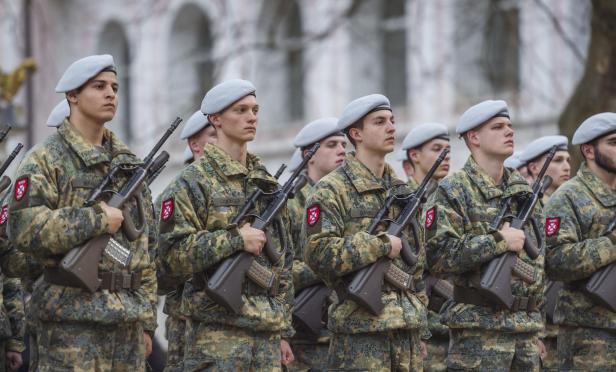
(492, 351)
(586, 349)
(76, 346)
(309, 356)
(550, 338)
(221, 347)
(175, 328)
(394, 350)
(437, 344)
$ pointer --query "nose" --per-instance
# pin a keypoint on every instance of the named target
(340, 150)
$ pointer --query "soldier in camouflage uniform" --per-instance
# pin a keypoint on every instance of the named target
(109, 329)
(310, 351)
(420, 149)
(484, 336)
(339, 210)
(196, 235)
(577, 216)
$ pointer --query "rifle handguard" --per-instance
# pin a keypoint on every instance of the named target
(262, 276)
(410, 257)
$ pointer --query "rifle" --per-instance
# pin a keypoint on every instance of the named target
(5, 182)
(600, 287)
(225, 285)
(551, 296)
(495, 281)
(443, 290)
(4, 132)
(79, 267)
(367, 284)
(308, 308)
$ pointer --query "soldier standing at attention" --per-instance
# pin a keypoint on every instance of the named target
(310, 352)
(514, 162)
(484, 335)
(577, 216)
(420, 149)
(339, 210)
(109, 329)
(196, 234)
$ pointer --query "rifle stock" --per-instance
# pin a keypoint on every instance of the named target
(308, 308)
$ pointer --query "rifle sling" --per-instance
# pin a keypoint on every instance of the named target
(111, 281)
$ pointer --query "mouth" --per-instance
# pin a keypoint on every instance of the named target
(445, 167)
(110, 106)
(509, 142)
(339, 161)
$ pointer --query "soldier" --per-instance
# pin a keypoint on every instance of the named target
(484, 335)
(109, 329)
(311, 353)
(514, 162)
(187, 156)
(339, 211)
(196, 234)
(197, 132)
(420, 149)
(579, 245)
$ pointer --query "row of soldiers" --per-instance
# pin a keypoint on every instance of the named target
(429, 306)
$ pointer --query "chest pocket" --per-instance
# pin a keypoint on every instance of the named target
(80, 188)
(223, 209)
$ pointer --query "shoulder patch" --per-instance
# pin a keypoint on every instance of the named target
(552, 224)
(312, 214)
(430, 217)
(4, 214)
(21, 187)
(166, 210)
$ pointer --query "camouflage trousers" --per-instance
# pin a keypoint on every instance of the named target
(550, 362)
(396, 350)
(586, 349)
(483, 350)
(309, 357)
(219, 347)
(71, 346)
(176, 331)
(437, 354)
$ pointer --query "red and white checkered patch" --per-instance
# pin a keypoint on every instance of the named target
(552, 225)
(167, 210)
(312, 214)
(21, 188)
(430, 216)
(4, 214)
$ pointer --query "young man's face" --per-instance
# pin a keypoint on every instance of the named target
(424, 157)
(198, 141)
(605, 153)
(98, 98)
(495, 138)
(330, 154)
(238, 121)
(559, 169)
(378, 132)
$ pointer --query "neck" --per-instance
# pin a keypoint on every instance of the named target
(91, 130)
(315, 174)
(374, 162)
(608, 178)
(237, 150)
(492, 166)
(419, 175)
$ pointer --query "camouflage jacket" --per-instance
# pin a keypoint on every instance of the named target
(459, 242)
(196, 235)
(340, 208)
(576, 217)
(12, 313)
(47, 219)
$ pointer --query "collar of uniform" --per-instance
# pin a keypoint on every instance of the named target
(362, 178)
(231, 167)
(515, 184)
(113, 150)
(309, 181)
(597, 187)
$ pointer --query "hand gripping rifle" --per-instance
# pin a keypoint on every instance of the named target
(225, 285)
(367, 284)
(79, 267)
(601, 286)
(495, 281)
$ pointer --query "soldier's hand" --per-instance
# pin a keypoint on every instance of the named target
(396, 246)
(286, 354)
(543, 352)
(147, 341)
(423, 348)
(513, 237)
(114, 217)
(13, 361)
(254, 239)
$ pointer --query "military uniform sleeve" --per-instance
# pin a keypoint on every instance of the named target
(36, 225)
(328, 251)
(450, 249)
(14, 303)
(569, 256)
(303, 275)
(149, 283)
(186, 247)
(286, 289)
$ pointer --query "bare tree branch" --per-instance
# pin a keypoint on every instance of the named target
(561, 32)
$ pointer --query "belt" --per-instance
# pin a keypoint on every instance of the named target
(473, 297)
(111, 281)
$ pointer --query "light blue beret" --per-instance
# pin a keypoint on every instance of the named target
(480, 113)
(401, 155)
(82, 70)
(295, 161)
(542, 145)
(360, 107)
(595, 127)
(225, 94)
(514, 161)
(315, 131)
(58, 114)
(194, 124)
(422, 134)
(187, 155)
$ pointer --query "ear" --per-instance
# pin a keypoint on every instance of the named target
(72, 97)
(408, 168)
(413, 155)
(215, 120)
(533, 167)
(472, 137)
(194, 145)
(355, 134)
(588, 151)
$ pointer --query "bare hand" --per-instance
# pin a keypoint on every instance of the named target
(396, 246)
(254, 239)
(286, 354)
(423, 348)
(114, 217)
(13, 361)
(543, 352)
(513, 237)
(147, 341)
